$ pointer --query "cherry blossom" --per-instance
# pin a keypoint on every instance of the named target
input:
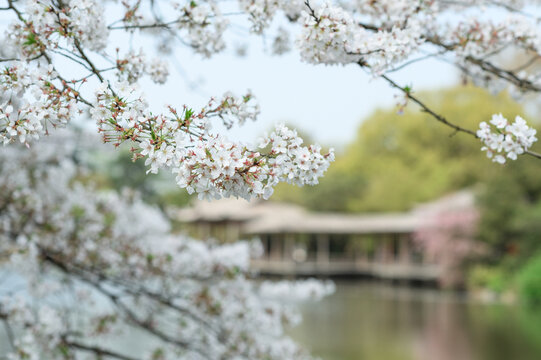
(31, 103)
(94, 263)
(506, 140)
(379, 37)
(61, 236)
(203, 162)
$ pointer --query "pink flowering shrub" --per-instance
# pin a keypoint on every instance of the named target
(448, 239)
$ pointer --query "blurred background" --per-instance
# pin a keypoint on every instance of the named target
(434, 249)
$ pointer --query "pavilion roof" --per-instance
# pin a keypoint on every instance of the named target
(321, 223)
(268, 217)
(234, 210)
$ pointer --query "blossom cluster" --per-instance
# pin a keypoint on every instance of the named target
(326, 35)
(206, 23)
(93, 263)
(332, 36)
(30, 102)
(47, 26)
(135, 64)
(389, 13)
(474, 39)
(261, 12)
(206, 163)
(477, 38)
(158, 70)
(281, 43)
(504, 140)
(205, 26)
(217, 168)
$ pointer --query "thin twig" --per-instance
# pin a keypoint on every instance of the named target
(98, 351)
(426, 109)
(439, 117)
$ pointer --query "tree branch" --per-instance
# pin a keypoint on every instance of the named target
(100, 352)
(115, 298)
(485, 65)
(439, 117)
(426, 109)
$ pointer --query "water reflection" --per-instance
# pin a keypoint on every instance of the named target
(375, 321)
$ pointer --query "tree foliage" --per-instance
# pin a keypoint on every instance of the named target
(60, 64)
(511, 207)
(79, 265)
(400, 159)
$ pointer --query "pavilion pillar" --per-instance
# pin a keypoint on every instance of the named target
(384, 249)
(289, 243)
(405, 249)
(233, 232)
(389, 249)
(323, 249)
(380, 249)
(204, 230)
(275, 247)
(360, 254)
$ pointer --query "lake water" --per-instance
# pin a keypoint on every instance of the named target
(375, 321)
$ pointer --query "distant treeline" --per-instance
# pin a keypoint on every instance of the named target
(400, 160)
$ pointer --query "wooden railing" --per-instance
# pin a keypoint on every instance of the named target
(399, 271)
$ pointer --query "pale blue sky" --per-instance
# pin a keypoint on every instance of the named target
(328, 102)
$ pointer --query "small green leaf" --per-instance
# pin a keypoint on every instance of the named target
(30, 40)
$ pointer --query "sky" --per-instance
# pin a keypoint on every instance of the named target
(326, 102)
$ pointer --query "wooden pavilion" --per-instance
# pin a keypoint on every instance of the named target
(298, 242)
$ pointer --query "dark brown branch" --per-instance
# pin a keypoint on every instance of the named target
(485, 65)
(311, 11)
(19, 14)
(131, 316)
(145, 26)
(93, 68)
(100, 352)
(426, 109)
(439, 117)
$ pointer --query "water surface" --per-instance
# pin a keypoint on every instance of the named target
(375, 321)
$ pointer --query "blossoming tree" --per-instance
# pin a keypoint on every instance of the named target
(447, 239)
(79, 267)
(115, 255)
(379, 36)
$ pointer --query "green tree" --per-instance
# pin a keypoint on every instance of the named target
(511, 211)
(117, 170)
(399, 160)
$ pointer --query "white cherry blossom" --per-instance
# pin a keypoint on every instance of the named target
(114, 264)
(505, 140)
